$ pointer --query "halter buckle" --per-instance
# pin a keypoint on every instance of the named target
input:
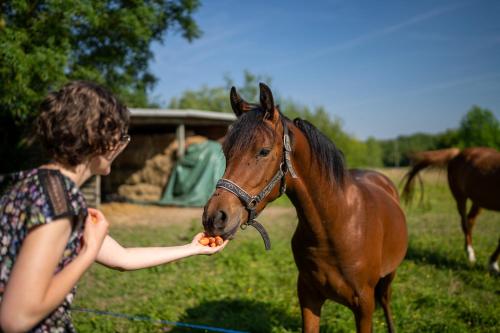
(252, 203)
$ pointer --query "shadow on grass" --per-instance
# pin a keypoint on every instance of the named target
(466, 271)
(438, 259)
(240, 315)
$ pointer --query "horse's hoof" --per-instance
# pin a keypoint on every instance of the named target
(471, 254)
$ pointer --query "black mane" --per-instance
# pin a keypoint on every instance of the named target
(329, 158)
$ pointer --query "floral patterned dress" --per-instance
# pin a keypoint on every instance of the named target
(30, 199)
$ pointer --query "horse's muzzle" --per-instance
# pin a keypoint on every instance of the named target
(215, 222)
(217, 225)
(222, 214)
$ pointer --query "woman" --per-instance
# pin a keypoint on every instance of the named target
(48, 236)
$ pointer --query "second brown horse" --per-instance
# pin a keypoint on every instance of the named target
(351, 235)
(473, 174)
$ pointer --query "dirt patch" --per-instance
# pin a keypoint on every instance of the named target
(132, 214)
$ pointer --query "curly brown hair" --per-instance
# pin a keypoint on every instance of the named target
(79, 121)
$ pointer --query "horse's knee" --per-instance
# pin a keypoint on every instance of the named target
(364, 303)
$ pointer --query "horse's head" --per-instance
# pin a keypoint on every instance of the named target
(255, 165)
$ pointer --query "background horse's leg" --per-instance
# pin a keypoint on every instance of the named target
(462, 210)
(364, 312)
(494, 260)
(471, 220)
(383, 296)
(310, 305)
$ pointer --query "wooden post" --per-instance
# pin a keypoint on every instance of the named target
(98, 191)
(181, 139)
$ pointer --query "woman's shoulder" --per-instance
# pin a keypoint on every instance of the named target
(46, 194)
(62, 194)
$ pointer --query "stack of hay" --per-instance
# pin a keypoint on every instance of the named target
(148, 183)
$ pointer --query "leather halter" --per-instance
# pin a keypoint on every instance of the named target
(250, 201)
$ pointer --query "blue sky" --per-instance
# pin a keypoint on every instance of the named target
(384, 67)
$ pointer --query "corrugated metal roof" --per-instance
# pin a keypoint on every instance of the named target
(179, 116)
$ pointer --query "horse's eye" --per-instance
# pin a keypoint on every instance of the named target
(264, 152)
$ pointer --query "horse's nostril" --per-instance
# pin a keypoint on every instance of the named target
(220, 219)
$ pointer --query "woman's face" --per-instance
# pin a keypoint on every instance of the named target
(101, 164)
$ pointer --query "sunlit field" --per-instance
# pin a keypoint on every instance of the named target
(245, 288)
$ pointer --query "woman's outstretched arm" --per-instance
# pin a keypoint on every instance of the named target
(115, 256)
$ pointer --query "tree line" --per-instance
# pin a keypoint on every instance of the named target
(45, 44)
(478, 127)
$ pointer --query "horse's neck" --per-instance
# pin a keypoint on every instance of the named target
(317, 200)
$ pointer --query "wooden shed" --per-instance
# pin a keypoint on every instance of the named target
(152, 130)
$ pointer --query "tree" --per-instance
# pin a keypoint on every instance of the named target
(217, 98)
(357, 153)
(373, 156)
(447, 139)
(44, 44)
(205, 98)
(397, 152)
(479, 128)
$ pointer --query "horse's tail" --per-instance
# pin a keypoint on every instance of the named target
(422, 160)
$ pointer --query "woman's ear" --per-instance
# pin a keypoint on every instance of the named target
(100, 164)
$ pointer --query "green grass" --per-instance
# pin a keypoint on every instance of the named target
(246, 288)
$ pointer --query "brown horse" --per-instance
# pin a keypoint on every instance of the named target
(351, 235)
(474, 174)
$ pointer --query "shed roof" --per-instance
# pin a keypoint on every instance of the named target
(172, 116)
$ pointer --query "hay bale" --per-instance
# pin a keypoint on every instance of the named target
(140, 192)
(147, 184)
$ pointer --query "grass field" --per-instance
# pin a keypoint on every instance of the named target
(244, 288)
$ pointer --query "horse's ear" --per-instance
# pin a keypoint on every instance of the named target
(238, 104)
(267, 102)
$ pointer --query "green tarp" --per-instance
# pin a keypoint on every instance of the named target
(193, 178)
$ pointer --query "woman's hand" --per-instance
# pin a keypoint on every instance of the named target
(96, 229)
(202, 249)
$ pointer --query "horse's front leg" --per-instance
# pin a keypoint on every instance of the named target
(364, 312)
(311, 302)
